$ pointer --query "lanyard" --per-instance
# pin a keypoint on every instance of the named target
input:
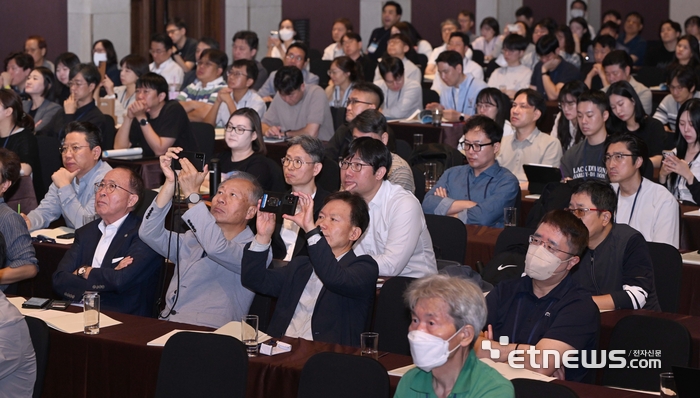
(336, 97)
(455, 100)
(634, 203)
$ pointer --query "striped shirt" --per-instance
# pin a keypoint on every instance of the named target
(19, 244)
(196, 92)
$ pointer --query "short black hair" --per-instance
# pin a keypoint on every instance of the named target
(585, 6)
(614, 13)
(369, 121)
(211, 42)
(370, 88)
(485, 124)
(10, 165)
(534, 98)
(89, 71)
(249, 36)
(601, 193)
(635, 14)
(372, 152)
(606, 41)
(619, 58)
(461, 35)
(515, 42)
(548, 23)
(610, 25)
(524, 11)
(693, 20)
(251, 67)
(303, 47)
(216, 56)
(92, 133)
(405, 39)
(23, 60)
(573, 229)
(153, 81)
(136, 185)
(288, 79)
(69, 60)
(686, 77)
(136, 63)
(547, 44)
(164, 39)
(451, 58)
(359, 210)
(634, 144)
(352, 35)
(675, 25)
(597, 97)
(492, 23)
(178, 22)
(397, 6)
(467, 13)
(391, 65)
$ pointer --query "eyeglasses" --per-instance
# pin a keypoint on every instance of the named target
(77, 83)
(109, 187)
(539, 242)
(158, 51)
(468, 146)
(480, 105)
(582, 211)
(353, 101)
(237, 74)
(294, 163)
(616, 156)
(354, 166)
(72, 149)
(240, 130)
(333, 72)
(293, 57)
(201, 63)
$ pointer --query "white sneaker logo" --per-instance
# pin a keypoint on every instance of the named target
(502, 267)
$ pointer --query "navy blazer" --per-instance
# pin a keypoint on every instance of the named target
(131, 290)
(279, 249)
(344, 303)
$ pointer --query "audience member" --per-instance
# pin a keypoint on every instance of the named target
(184, 47)
(514, 76)
(616, 269)
(237, 94)
(40, 106)
(528, 144)
(475, 193)
(402, 96)
(417, 45)
(550, 73)
(397, 237)
(371, 123)
(397, 47)
(466, 24)
(632, 39)
(602, 46)
(297, 56)
(352, 47)
(152, 122)
(526, 15)
(298, 109)
(583, 34)
(683, 86)
(529, 57)
(36, 47)
(494, 104)
(458, 42)
(18, 66)
(197, 97)
(108, 257)
(612, 16)
(391, 14)
(326, 295)
(17, 135)
(458, 98)
(341, 26)
(72, 194)
(206, 288)
(486, 42)
(567, 47)
(161, 51)
(660, 55)
(80, 105)
(447, 27)
(687, 54)
(681, 170)
(447, 315)
(133, 67)
(205, 43)
(245, 46)
(343, 73)
(585, 159)
(692, 26)
(279, 45)
(618, 67)
(548, 293)
(612, 29)
(20, 263)
(566, 122)
(64, 63)
(103, 51)
(19, 360)
(544, 27)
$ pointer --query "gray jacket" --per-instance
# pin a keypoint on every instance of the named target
(44, 114)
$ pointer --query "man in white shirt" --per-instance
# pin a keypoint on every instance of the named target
(458, 99)
(402, 96)
(514, 76)
(163, 64)
(198, 97)
(642, 204)
(238, 94)
(397, 47)
(459, 42)
(446, 28)
(397, 237)
(528, 144)
(618, 66)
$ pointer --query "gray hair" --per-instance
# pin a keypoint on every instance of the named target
(449, 21)
(464, 298)
(257, 191)
(312, 146)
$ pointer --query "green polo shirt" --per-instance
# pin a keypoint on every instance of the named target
(476, 379)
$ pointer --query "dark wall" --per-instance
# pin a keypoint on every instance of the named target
(20, 19)
(555, 9)
(321, 14)
(654, 13)
(427, 15)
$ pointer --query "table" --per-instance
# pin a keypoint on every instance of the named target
(481, 242)
(148, 168)
(448, 133)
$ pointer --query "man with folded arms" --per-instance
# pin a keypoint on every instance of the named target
(72, 193)
(107, 256)
(327, 295)
(206, 288)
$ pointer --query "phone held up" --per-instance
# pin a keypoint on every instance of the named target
(196, 158)
(279, 203)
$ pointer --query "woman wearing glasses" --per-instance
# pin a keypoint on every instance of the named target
(343, 73)
(237, 95)
(245, 139)
(681, 170)
(494, 104)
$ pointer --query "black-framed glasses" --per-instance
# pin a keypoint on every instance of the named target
(581, 211)
(240, 130)
(294, 163)
(354, 166)
(237, 74)
(71, 148)
(109, 187)
(468, 146)
(617, 157)
(353, 101)
(539, 242)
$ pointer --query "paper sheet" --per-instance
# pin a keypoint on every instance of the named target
(160, 341)
(401, 371)
(53, 233)
(66, 322)
(232, 329)
(691, 257)
(695, 213)
(219, 133)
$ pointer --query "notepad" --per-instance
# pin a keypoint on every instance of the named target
(232, 329)
(54, 233)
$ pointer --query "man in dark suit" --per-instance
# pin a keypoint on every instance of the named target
(107, 256)
(301, 165)
(328, 295)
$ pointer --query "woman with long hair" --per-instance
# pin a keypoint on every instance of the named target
(133, 67)
(566, 123)
(567, 47)
(40, 106)
(344, 74)
(103, 50)
(581, 35)
(64, 63)
(628, 115)
(682, 168)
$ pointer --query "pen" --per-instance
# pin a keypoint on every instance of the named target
(18, 207)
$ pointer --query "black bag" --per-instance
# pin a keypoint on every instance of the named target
(443, 155)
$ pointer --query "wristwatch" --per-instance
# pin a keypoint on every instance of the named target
(82, 270)
(194, 198)
(143, 122)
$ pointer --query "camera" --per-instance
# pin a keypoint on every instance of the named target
(196, 158)
(279, 203)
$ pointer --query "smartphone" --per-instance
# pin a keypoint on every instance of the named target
(69, 235)
(36, 303)
(666, 154)
(513, 28)
(279, 203)
(198, 159)
(274, 34)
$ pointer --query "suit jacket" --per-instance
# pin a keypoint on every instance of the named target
(344, 303)
(45, 114)
(279, 250)
(131, 290)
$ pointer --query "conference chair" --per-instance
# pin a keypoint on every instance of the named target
(202, 365)
(320, 68)
(639, 332)
(205, 135)
(271, 64)
(430, 96)
(392, 317)
(331, 374)
(403, 149)
(449, 236)
(528, 388)
(329, 177)
(668, 269)
(50, 159)
(39, 333)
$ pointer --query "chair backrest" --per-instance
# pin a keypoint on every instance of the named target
(50, 158)
(320, 68)
(478, 57)
(528, 388)
(650, 76)
(22, 193)
(419, 181)
(668, 269)
(338, 115)
(331, 374)
(403, 149)
(430, 96)
(666, 337)
(108, 133)
(329, 177)
(449, 236)
(39, 333)
(392, 317)
(205, 135)
(202, 365)
(271, 64)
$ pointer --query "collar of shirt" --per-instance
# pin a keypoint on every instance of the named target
(381, 195)
(423, 382)
(113, 227)
(161, 67)
(559, 291)
(219, 81)
(530, 139)
(491, 171)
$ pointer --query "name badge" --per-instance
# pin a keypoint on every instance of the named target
(372, 48)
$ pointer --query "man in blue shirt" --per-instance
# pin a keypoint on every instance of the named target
(458, 99)
(478, 192)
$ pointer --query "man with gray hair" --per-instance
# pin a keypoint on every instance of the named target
(206, 288)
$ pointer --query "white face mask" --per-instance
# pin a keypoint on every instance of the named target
(286, 34)
(99, 57)
(577, 12)
(540, 263)
(429, 351)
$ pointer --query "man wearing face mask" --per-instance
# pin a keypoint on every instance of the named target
(546, 309)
